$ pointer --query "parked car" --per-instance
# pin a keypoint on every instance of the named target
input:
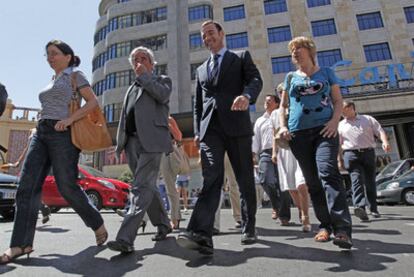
(8, 188)
(397, 190)
(102, 191)
(393, 170)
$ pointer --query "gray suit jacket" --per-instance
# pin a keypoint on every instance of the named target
(151, 114)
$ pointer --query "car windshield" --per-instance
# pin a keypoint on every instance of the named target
(409, 174)
(93, 171)
(389, 169)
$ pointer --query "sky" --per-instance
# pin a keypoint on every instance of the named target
(26, 27)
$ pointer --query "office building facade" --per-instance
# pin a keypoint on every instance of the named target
(368, 42)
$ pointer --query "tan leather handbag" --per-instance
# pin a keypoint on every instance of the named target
(89, 133)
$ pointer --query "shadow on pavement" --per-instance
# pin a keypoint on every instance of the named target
(48, 228)
(366, 256)
(85, 263)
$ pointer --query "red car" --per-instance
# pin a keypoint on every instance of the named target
(103, 192)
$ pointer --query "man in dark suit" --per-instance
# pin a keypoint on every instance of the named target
(143, 134)
(226, 84)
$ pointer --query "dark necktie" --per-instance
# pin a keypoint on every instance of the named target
(215, 70)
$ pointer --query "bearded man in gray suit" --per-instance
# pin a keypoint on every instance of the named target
(143, 134)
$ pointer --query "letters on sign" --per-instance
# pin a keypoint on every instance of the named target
(371, 74)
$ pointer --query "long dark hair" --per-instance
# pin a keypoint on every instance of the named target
(66, 49)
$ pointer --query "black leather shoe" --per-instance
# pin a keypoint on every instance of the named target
(45, 219)
(193, 241)
(361, 213)
(375, 214)
(248, 238)
(162, 233)
(120, 246)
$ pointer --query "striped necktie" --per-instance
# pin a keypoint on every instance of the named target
(215, 70)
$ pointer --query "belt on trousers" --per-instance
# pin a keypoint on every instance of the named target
(268, 151)
(361, 150)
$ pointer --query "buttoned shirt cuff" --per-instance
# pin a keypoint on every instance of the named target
(247, 96)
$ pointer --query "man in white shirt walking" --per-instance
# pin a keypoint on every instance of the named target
(268, 174)
(357, 135)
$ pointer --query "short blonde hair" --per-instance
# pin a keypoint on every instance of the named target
(305, 42)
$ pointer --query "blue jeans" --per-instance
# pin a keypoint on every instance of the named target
(269, 179)
(49, 149)
(361, 167)
(317, 157)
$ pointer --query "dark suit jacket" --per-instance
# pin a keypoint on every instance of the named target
(151, 115)
(238, 75)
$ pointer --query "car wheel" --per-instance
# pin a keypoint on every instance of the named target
(8, 214)
(95, 198)
(408, 197)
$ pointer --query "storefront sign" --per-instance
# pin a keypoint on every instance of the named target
(371, 74)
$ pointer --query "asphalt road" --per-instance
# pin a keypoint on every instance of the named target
(64, 246)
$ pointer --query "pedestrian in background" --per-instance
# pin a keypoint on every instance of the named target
(169, 174)
(144, 135)
(357, 133)
(51, 147)
(230, 185)
(262, 154)
(314, 101)
(182, 183)
(291, 178)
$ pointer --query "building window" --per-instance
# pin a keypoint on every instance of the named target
(195, 41)
(282, 65)
(130, 20)
(234, 13)
(124, 78)
(369, 21)
(317, 3)
(323, 27)
(275, 6)
(123, 49)
(238, 40)
(112, 112)
(110, 81)
(329, 57)
(101, 34)
(161, 13)
(161, 69)
(113, 24)
(279, 34)
(109, 112)
(201, 12)
(193, 70)
(409, 14)
(125, 21)
(377, 52)
(154, 43)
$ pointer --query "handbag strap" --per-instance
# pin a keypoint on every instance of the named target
(74, 85)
